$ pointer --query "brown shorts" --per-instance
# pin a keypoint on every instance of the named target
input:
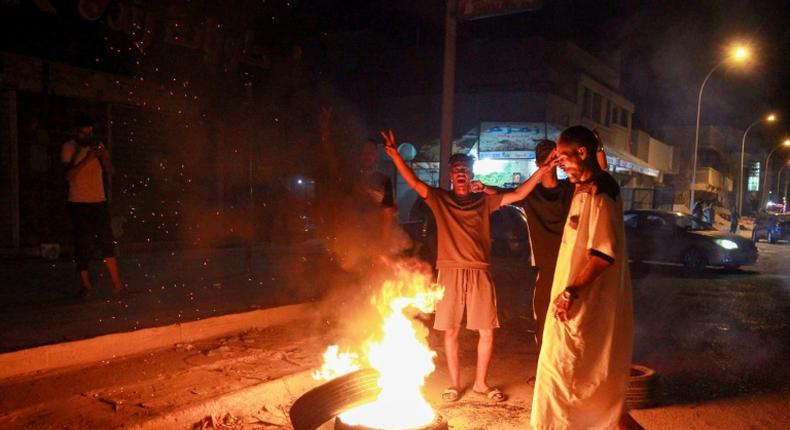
(470, 289)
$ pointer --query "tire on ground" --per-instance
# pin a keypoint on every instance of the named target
(641, 387)
(326, 401)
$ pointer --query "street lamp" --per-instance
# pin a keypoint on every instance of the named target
(739, 54)
(769, 118)
(779, 176)
(786, 143)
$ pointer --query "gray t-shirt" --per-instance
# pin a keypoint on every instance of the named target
(462, 228)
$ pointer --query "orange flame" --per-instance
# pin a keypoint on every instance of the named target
(399, 353)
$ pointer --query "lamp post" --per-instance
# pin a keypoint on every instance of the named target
(765, 176)
(784, 200)
(769, 118)
(738, 54)
(779, 177)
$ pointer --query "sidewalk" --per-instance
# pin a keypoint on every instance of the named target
(250, 380)
(255, 375)
(38, 303)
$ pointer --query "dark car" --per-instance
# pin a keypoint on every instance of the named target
(771, 227)
(509, 236)
(673, 237)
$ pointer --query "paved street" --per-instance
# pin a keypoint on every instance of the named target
(718, 342)
(720, 334)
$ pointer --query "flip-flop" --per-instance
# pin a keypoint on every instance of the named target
(493, 394)
(451, 394)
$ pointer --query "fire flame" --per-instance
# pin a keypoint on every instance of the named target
(400, 354)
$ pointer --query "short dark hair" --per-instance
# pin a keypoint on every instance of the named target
(581, 136)
(543, 149)
(461, 158)
(83, 120)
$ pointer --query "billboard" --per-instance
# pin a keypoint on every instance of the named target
(509, 140)
(477, 9)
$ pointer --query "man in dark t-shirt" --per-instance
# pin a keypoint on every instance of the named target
(546, 208)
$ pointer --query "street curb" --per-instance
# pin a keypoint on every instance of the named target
(112, 346)
(266, 399)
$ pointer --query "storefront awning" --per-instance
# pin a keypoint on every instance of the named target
(620, 160)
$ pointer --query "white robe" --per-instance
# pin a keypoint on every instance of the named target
(584, 364)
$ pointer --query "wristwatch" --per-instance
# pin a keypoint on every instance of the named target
(570, 293)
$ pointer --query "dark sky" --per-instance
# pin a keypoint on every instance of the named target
(666, 47)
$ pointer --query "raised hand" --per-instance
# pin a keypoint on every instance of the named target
(553, 160)
(390, 147)
(476, 187)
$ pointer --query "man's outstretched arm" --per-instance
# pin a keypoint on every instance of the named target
(408, 174)
(524, 189)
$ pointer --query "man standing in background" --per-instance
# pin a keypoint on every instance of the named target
(85, 160)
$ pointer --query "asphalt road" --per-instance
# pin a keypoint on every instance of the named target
(719, 334)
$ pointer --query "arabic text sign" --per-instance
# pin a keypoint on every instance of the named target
(477, 9)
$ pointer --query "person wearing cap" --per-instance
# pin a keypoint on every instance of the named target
(85, 161)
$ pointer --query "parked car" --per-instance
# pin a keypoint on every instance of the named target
(771, 227)
(509, 235)
(673, 237)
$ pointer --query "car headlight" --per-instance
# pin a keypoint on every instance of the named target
(726, 243)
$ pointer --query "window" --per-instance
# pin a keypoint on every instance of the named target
(624, 117)
(654, 222)
(630, 220)
(587, 104)
(608, 119)
(753, 180)
(596, 107)
(615, 115)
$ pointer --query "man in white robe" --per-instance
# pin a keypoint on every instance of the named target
(584, 364)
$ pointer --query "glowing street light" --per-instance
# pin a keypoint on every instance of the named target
(784, 144)
(769, 118)
(738, 55)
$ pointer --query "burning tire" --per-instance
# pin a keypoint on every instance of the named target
(641, 387)
(326, 401)
(438, 424)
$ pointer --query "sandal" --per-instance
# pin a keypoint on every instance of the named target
(451, 394)
(493, 394)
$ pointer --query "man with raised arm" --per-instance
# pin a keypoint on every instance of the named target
(463, 258)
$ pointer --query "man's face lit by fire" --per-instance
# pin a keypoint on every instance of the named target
(84, 132)
(573, 160)
(461, 176)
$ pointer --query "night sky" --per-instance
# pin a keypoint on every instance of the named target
(665, 47)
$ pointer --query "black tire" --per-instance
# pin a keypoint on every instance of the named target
(694, 260)
(326, 401)
(438, 424)
(641, 387)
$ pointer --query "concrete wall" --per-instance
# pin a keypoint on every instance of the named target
(660, 156)
(9, 171)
